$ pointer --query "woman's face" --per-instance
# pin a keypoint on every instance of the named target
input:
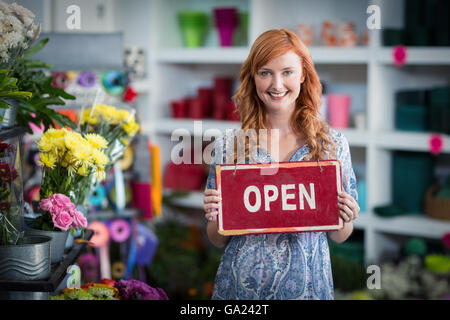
(278, 82)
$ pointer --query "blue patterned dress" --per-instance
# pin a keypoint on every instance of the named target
(280, 265)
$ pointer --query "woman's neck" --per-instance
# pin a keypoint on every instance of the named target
(281, 122)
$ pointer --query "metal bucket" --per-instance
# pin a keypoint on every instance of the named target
(24, 295)
(27, 261)
(57, 244)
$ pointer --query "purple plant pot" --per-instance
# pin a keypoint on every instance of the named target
(226, 17)
(226, 36)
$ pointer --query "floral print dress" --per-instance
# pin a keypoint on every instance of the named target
(280, 265)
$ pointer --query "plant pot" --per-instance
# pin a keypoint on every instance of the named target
(338, 110)
(27, 261)
(57, 243)
(9, 115)
(194, 26)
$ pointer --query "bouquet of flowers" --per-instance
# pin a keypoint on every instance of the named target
(17, 32)
(117, 126)
(10, 205)
(113, 290)
(70, 161)
(59, 213)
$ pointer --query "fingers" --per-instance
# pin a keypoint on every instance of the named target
(348, 206)
(211, 202)
(211, 192)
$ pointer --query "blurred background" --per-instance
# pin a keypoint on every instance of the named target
(384, 66)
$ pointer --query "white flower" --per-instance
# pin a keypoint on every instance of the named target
(17, 30)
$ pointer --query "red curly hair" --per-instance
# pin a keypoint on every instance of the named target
(304, 120)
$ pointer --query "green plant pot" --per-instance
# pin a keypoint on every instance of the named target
(193, 37)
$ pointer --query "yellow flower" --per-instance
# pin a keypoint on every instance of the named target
(96, 140)
(73, 140)
(87, 117)
(53, 140)
(47, 159)
(100, 158)
(131, 128)
(123, 115)
(82, 154)
(100, 175)
(83, 170)
(45, 144)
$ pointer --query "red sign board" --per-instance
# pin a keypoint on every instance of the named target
(279, 197)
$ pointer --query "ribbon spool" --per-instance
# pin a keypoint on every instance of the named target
(111, 190)
(87, 79)
(101, 234)
(119, 230)
(127, 159)
(60, 80)
(147, 243)
(114, 82)
(98, 196)
(118, 270)
(89, 265)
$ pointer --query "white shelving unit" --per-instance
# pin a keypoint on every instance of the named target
(177, 72)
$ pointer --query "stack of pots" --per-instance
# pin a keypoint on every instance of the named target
(194, 26)
(226, 22)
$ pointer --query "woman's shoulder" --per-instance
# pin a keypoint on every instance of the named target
(337, 137)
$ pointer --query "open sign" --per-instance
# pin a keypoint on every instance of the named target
(300, 196)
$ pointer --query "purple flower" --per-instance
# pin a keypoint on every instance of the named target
(138, 290)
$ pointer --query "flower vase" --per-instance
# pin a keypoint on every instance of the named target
(29, 260)
(57, 244)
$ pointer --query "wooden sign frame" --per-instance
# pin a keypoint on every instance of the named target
(237, 168)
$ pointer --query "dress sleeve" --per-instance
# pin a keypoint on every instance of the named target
(348, 175)
(216, 158)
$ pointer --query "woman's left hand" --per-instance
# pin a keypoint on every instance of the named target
(348, 207)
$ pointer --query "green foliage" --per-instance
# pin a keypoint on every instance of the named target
(32, 78)
(182, 271)
(10, 90)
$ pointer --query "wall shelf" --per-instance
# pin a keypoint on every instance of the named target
(370, 68)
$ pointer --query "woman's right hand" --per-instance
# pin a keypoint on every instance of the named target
(211, 204)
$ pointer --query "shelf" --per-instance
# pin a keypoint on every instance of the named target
(102, 214)
(320, 55)
(58, 272)
(6, 134)
(193, 200)
(412, 225)
(203, 55)
(142, 85)
(356, 138)
(417, 55)
(340, 55)
(409, 141)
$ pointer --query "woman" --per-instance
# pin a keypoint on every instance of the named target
(280, 92)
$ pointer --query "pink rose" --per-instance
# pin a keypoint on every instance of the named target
(62, 221)
(46, 204)
(79, 219)
(62, 201)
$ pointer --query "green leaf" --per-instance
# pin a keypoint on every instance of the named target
(36, 48)
(34, 64)
(4, 105)
(16, 95)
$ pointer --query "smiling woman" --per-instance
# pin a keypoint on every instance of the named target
(278, 83)
(280, 92)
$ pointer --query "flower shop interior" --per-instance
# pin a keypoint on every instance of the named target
(98, 97)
